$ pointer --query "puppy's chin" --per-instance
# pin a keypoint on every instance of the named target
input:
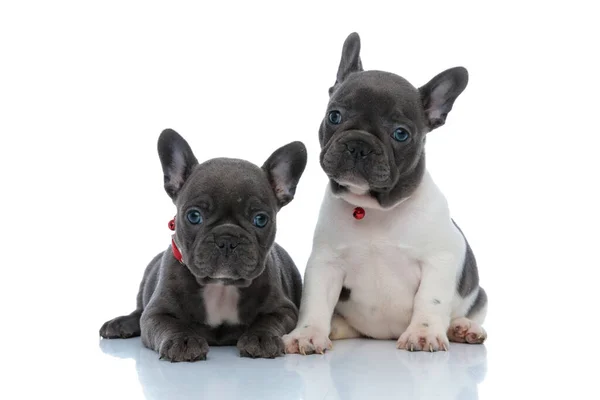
(229, 274)
(359, 195)
(359, 187)
(356, 195)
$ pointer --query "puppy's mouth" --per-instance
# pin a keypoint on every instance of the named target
(360, 179)
(238, 282)
(236, 269)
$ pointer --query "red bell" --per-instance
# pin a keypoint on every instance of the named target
(172, 224)
(359, 213)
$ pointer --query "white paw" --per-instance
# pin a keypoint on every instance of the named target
(423, 337)
(307, 339)
(463, 330)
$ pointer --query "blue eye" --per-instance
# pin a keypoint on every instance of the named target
(401, 135)
(335, 117)
(261, 220)
(194, 217)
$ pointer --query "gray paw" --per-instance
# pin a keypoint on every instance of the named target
(121, 327)
(183, 348)
(260, 346)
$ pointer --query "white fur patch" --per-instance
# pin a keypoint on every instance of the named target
(360, 200)
(221, 304)
(357, 194)
(355, 187)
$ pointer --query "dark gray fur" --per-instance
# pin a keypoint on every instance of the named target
(170, 314)
(361, 150)
(469, 278)
(345, 294)
(480, 302)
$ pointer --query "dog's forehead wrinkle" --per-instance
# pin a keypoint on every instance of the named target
(380, 81)
(396, 99)
(242, 178)
(229, 173)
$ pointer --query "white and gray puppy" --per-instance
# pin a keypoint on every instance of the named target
(223, 280)
(388, 261)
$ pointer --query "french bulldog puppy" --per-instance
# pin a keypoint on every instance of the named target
(223, 280)
(388, 261)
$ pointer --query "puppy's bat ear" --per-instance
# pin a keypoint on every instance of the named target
(350, 61)
(284, 169)
(439, 94)
(177, 160)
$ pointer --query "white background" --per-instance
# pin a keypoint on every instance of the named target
(87, 87)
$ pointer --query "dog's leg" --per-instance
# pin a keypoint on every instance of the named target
(123, 327)
(340, 329)
(263, 337)
(432, 305)
(322, 286)
(173, 339)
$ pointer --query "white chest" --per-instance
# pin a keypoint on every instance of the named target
(221, 304)
(383, 281)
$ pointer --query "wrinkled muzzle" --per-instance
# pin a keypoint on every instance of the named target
(227, 254)
(356, 157)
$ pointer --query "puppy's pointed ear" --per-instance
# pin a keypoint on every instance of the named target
(350, 61)
(284, 169)
(177, 160)
(439, 94)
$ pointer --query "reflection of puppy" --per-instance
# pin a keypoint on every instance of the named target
(232, 283)
(159, 380)
(401, 268)
(451, 375)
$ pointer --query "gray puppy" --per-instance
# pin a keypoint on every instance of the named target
(232, 284)
(388, 261)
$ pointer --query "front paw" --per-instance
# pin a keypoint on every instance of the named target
(123, 327)
(183, 348)
(260, 345)
(307, 339)
(423, 338)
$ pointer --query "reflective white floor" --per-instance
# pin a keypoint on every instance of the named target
(355, 369)
(512, 365)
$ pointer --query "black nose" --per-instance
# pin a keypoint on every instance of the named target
(358, 148)
(226, 243)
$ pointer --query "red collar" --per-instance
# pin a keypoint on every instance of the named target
(174, 248)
